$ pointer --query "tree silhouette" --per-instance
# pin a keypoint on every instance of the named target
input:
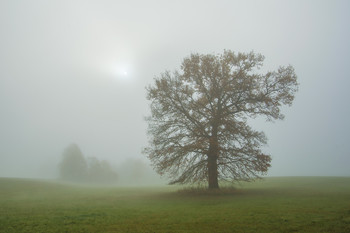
(198, 125)
(73, 166)
(101, 172)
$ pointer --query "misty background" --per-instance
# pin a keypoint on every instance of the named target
(76, 72)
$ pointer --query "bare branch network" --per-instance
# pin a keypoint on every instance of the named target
(198, 125)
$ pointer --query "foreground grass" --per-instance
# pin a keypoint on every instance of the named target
(304, 204)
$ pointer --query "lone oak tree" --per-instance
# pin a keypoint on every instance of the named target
(198, 123)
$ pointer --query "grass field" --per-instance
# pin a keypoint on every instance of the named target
(288, 204)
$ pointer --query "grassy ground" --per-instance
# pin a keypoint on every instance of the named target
(303, 204)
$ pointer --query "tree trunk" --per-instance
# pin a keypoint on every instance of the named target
(213, 160)
(213, 172)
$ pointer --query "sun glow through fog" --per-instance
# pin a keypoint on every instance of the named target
(121, 72)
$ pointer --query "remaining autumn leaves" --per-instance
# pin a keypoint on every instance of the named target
(198, 125)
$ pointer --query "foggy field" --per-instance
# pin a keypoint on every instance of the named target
(103, 103)
(288, 204)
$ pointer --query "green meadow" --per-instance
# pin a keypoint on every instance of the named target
(285, 204)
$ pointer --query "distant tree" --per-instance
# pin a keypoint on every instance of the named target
(100, 171)
(73, 166)
(198, 125)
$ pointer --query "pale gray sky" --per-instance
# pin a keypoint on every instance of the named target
(76, 71)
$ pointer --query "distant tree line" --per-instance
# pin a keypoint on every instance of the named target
(74, 167)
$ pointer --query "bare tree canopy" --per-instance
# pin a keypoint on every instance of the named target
(198, 125)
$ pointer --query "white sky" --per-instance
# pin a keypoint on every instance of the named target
(63, 64)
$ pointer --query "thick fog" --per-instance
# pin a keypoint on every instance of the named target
(76, 72)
